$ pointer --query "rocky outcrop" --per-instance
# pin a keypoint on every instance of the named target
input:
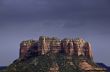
(71, 48)
(77, 47)
(55, 55)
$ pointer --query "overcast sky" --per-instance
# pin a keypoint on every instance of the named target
(29, 19)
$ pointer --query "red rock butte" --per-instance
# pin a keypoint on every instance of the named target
(77, 46)
(72, 48)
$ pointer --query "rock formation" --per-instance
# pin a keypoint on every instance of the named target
(55, 55)
(77, 47)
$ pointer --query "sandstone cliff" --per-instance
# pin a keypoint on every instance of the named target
(55, 55)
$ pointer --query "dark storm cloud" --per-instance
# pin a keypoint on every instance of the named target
(38, 10)
(74, 13)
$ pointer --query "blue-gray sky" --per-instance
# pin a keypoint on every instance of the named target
(29, 19)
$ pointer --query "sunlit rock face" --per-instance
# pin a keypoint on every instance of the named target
(55, 55)
(77, 46)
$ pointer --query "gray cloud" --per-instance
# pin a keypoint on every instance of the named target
(39, 10)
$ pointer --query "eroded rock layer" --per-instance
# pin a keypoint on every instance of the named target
(55, 55)
(77, 47)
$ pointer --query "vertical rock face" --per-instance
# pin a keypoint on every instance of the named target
(87, 50)
(25, 46)
(77, 47)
